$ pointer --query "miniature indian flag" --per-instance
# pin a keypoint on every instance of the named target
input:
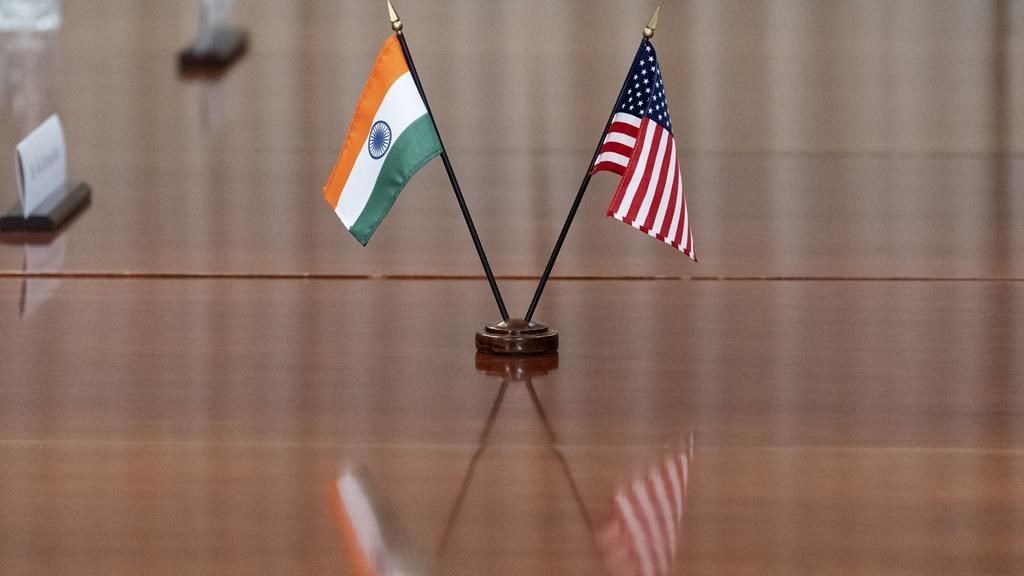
(390, 138)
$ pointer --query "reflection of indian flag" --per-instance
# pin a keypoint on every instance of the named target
(371, 540)
(390, 138)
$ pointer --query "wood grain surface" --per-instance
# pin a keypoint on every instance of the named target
(186, 370)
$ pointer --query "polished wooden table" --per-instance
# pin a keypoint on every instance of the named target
(186, 371)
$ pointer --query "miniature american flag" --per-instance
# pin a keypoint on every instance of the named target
(640, 147)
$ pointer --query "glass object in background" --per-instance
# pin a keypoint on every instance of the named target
(213, 15)
(31, 15)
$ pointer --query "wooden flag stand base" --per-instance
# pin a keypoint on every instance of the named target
(516, 368)
(53, 213)
(516, 337)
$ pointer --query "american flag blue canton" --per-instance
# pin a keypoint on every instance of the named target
(645, 90)
(640, 147)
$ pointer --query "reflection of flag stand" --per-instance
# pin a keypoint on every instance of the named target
(370, 537)
(372, 542)
(510, 369)
(640, 537)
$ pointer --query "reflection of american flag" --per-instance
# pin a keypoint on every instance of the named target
(640, 537)
(640, 148)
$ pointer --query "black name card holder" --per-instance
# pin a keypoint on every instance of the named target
(54, 212)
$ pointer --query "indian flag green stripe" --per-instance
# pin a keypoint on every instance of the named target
(415, 146)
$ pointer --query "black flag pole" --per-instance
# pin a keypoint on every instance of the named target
(648, 34)
(396, 25)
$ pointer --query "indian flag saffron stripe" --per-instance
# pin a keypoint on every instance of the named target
(390, 138)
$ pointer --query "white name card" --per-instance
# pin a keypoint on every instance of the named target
(42, 164)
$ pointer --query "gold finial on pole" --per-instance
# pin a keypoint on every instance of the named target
(396, 22)
(651, 26)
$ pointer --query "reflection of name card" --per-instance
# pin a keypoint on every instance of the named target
(42, 165)
(35, 292)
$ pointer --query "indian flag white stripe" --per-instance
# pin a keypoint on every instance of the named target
(361, 515)
(400, 107)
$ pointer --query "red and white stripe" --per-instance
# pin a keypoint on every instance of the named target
(618, 145)
(650, 194)
(640, 538)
